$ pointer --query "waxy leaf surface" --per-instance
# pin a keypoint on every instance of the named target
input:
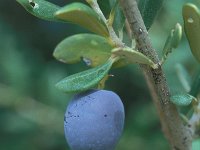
(93, 49)
(84, 16)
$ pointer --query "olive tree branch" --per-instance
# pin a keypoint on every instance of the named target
(178, 135)
(194, 121)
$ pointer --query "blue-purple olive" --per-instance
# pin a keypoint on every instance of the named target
(94, 120)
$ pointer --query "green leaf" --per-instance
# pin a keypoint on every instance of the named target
(191, 16)
(117, 16)
(40, 8)
(182, 99)
(149, 9)
(85, 80)
(173, 40)
(105, 7)
(93, 49)
(84, 16)
(133, 56)
(196, 144)
(114, 4)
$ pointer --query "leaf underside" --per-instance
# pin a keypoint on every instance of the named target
(84, 80)
(182, 99)
(40, 8)
(134, 56)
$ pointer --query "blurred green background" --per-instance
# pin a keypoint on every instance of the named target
(32, 110)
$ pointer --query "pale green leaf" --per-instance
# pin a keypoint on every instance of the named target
(40, 8)
(191, 16)
(84, 80)
(182, 99)
(133, 56)
(173, 40)
(93, 49)
(84, 16)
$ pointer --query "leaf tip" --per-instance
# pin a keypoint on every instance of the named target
(59, 85)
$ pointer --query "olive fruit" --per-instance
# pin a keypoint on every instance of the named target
(94, 120)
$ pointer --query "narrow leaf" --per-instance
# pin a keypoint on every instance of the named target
(182, 99)
(84, 80)
(84, 16)
(134, 56)
(191, 16)
(117, 16)
(40, 8)
(114, 4)
(149, 9)
(173, 40)
(91, 48)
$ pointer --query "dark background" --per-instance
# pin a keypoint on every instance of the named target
(32, 110)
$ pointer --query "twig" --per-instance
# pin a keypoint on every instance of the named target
(113, 36)
(194, 121)
(177, 134)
